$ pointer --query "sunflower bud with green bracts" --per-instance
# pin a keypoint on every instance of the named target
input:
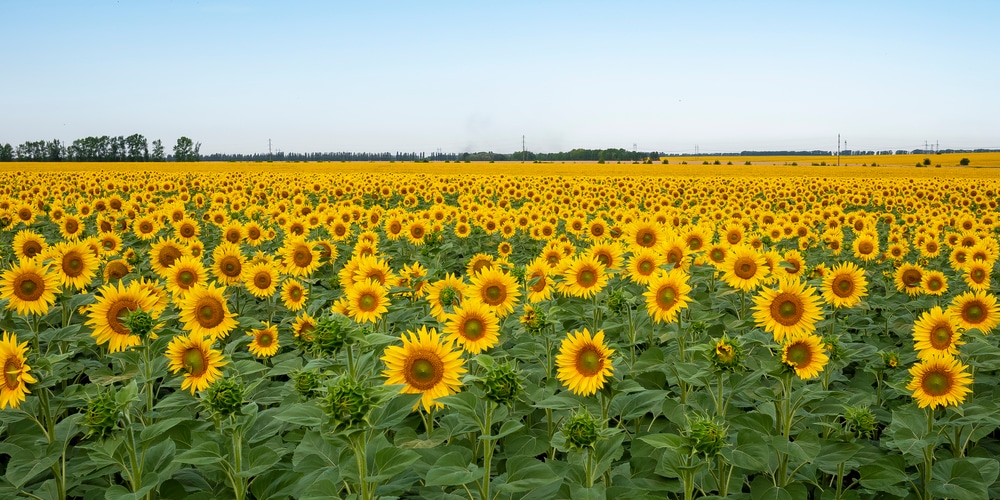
(332, 332)
(519, 272)
(890, 359)
(448, 297)
(307, 383)
(618, 301)
(101, 417)
(581, 430)
(502, 384)
(860, 422)
(140, 323)
(534, 320)
(347, 403)
(699, 327)
(225, 397)
(834, 350)
(707, 436)
(727, 354)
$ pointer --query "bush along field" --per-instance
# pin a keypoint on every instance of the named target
(220, 334)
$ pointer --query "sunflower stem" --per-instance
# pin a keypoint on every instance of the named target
(488, 446)
(928, 456)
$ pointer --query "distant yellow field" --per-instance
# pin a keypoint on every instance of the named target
(982, 165)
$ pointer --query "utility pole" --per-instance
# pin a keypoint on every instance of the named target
(524, 152)
(269, 159)
(838, 150)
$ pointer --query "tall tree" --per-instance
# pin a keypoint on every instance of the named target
(137, 149)
(157, 151)
(186, 150)
(6, 152)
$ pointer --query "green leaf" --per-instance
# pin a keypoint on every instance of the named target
(526, 473)
(304, 414)
(452, 469)
(908, 431)
(157, 429)
(390, 461)
(204, 453)
(751, 452)
(463, 402)
(508, 427)
(763, 489)
(832, 454)
(885, 474)
(671, 441)
(393, 411)
(968, 477)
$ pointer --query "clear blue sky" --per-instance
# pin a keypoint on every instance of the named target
(471, 76)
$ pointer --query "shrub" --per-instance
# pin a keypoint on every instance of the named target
(963, 162)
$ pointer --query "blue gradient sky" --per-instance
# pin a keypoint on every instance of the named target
(471, 76)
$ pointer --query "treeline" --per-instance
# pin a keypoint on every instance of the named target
(104, 148)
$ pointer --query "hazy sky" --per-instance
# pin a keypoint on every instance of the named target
(476, 76)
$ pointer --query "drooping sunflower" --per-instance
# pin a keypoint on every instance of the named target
(74, 264)
(367, 301)
(185, 274)
(193, 353)
(473, 327)
(934, 283)
(165, 253)
(844, 285)
(29, 244)
(265, 341)
(106, 316)
(936, 333)
(584, 362)
(789, 311)
(939, 381)
(536, 276)
(479, 262)
(585, 277)
(744, 268)
(15, 371)
(976, 310)
(667, 294)
(293, 294)
(908, 277)
(496, 289)
(205, 313)
(425, 364)
(299, 257)
(115, 270)
(29, 287)
(261, 280)
(805, 354)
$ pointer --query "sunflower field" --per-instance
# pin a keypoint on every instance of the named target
(411, 331)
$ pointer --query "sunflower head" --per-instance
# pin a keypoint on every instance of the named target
(307, 383)
(890, 359)
(805, 355)
(331, 333)
(502, 383)
(584, 362)
(939, 381)
(101, 415)
(860, 421)
(225, 397)
(581, 430)
(706, 436)
(727, 354)
(348, 403)
(139, 322)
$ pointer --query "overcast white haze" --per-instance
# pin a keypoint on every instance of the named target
(476, 76)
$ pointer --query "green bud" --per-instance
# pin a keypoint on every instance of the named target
(727, 354)
(347, 403)
(224, 397)
(707, 436)
(502, 384)
(332, 332)
(581, 430)
(140, 323)
(860, 421)
(447, 297)
(307, 383)
(101, 417)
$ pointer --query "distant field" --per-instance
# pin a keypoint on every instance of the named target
(981, 165)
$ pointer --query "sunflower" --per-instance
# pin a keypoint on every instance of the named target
(367, 301)
(372, 267)
(496, 289)
(865, 247)
(936, 333)
(977, 275)
(643, 266)
(789, 311)
(204, 312)
(265, 341)
(24, 214)
(299, 256)
(585, 277)
(29, 244)
(844, 285)
(584, 362)
(959, 258)
(479, 262)
(233, 232)
(108, 312)
(303, 326)
(975, 310)
(254, 234)
(426, 365)
(939, 381)
(668, 293)
(71, 227)
(744, 268)
(186, 229)
(186, 273)
(15, 371)
(261, 280)
(645, 234)
(805, 354)
(157, 290)
(415, 231)
(293, 294)
(608, 253)
(444, 294)
(795, 265)
(413, 277)
(675, 253)
(146, 227)
(111, 243)
(74, 264)
(908, 277)
(228, 263)
(116, 269)
(536, 275)
(934, 283)
(29, 287)
(165, 253)
(194, 354)
(473, 327)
